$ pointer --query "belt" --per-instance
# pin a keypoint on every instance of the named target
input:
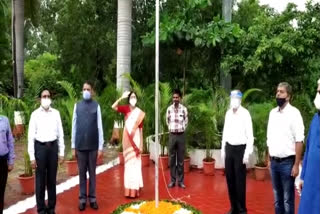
(177, 133)
(4, 157)
(238, 145)
(291, 157)
(48, 143)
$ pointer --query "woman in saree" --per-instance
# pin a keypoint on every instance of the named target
(132, 141)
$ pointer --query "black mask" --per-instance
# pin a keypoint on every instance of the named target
(281, 101)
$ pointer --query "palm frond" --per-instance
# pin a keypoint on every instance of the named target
(67, 86)
(249, 92)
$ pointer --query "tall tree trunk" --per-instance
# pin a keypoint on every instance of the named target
(18, 45)
(226, 79)
(124, 43)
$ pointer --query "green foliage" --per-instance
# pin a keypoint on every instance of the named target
(5, 52)
(65, 105)
(8, 106)
(107, 97)
(92, 24)
(306, 107)
(260, 114)
(165, 98)
(41, 73)
(273, 49)
(206, 110)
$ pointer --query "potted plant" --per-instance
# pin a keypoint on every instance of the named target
(259, 114)
(187, 160)
(120, 154)
(145, 156)
(165, 101)
(100, 160)
(71, 164)
(163, 158)
(27, 178)
(208, 161)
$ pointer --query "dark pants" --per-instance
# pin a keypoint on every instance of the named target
(236, 177)
(46, 155)
(3, 179)
(87, 161)
(283, 185)
(176, 154)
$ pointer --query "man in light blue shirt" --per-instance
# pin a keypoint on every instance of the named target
(87, 144)
(6, 155)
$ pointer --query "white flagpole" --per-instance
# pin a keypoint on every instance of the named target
(157, 105)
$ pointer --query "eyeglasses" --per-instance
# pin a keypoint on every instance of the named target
(45, 96)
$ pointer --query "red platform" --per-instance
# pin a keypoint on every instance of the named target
(206, 193)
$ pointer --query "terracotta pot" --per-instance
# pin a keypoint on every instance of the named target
(260, 173)
(27, 184)
(186, 165)
(208, 167)
(100, 161)
(145, 159)
(163, 162)
(121, 158)
(72, 167)
(18, 130)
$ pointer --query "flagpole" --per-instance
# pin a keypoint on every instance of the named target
(157, 104)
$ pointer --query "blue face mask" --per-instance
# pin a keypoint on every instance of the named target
(86, 95)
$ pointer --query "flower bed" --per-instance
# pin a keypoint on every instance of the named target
(148, 207)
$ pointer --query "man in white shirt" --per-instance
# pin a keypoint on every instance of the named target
(45, 143)
(285, 136)
(237, 145)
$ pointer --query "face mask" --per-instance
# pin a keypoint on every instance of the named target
(235, 103)
(86, 95)
(45, 103)
(281, 101)
(317, 101)
(133, 101)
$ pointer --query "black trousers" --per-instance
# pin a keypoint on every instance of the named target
(3, 179)
(236, 177)
(176, 154)
(46, 155)
(87, 161)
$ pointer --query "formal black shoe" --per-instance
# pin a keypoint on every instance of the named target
(94, 205)
(172, 184)
(182, 185)
(82, 206)
(231, 212)
(50, 211)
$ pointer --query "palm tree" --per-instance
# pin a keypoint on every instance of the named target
(124, 43)
(18, 46)
(20, 8)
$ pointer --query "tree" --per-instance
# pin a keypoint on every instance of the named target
(5, 62)
(20, 10)
(85, 36)
(272, 50)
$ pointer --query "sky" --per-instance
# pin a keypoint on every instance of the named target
(280, 5)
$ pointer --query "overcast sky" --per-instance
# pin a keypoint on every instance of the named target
(280, 5)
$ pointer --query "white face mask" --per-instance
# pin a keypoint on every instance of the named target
(133, 101)
(317, 101)
(235, 103)
(45, 103)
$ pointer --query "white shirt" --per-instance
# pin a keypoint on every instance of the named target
(238, 130)
(45, 126)
(285, 128)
